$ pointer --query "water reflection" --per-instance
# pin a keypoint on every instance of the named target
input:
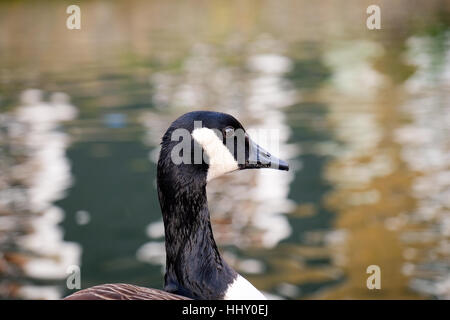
(35, 173)
(369, 183)
(361, 115)
(426, 150)
(391, 194)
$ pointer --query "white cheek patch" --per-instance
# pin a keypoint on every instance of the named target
(241, 289)
(221, 160)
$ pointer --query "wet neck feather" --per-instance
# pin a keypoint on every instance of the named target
(194, 266)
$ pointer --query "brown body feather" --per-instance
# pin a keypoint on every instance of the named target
(121, 291)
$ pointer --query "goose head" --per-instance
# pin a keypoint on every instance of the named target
(214, 143)
(198, 147)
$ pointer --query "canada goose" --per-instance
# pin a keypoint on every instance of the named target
(194, 266)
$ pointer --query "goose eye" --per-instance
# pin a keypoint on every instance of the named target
(229, 131)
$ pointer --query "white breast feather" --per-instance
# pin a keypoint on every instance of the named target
(241, 289)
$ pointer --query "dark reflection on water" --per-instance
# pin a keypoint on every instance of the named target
(362, 117)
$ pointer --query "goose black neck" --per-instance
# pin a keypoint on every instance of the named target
(194, 267)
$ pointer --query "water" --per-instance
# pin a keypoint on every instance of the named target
(362, 116)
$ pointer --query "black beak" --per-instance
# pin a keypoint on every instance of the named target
(260, 158)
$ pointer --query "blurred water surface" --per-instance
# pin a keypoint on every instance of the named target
(362, 116)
